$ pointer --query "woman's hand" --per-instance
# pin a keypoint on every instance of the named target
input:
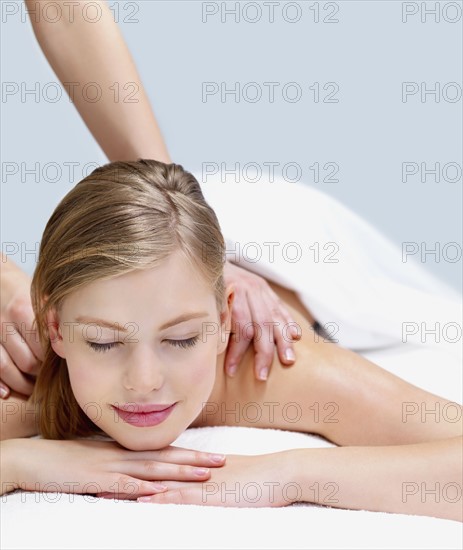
(255, 303)
(20, 350)
(245, 481)
(100, 467)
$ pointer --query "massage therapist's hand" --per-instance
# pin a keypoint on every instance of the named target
(245, 481)
(255, 303)
(98, 467)
(20, 350)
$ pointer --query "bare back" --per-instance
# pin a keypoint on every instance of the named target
(329, 390)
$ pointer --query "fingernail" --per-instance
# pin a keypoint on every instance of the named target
(217, 458)
(3, 392)
(232, 370)
(289, 354)
(263, 373)
(144, 499)
(201, 471)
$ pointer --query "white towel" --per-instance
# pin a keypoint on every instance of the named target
(358, 286)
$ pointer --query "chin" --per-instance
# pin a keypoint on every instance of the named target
(140, 441)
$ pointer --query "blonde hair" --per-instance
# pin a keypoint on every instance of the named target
(124, 216)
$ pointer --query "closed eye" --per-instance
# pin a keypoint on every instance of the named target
(189, 342)
(103, 347)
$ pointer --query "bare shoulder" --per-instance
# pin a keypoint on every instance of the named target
(290, 398)
(329, 390)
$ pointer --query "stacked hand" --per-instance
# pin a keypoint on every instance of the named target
(244, 481)
(99, 467)
(171, 475)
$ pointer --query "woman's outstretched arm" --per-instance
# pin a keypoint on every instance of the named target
(421, 479)
(405, 445)
(80, 52)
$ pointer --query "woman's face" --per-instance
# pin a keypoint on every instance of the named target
(162, 350)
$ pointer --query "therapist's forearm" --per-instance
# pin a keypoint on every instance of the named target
(420, 479)
(81, 52)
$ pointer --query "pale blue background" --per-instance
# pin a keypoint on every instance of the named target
(369, 133)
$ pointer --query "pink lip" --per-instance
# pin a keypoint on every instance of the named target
(139, 408)
(145, 419)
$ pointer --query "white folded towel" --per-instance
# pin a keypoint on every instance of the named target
(358, 286)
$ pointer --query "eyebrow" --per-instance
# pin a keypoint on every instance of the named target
(117, 326)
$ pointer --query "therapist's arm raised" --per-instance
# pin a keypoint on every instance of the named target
(88, 54)
(81, 52)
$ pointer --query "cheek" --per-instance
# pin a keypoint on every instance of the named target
(201, 376)
(200, 372)
(85, 380)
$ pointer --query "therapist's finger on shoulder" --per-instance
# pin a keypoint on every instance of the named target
(242, 333)
(20, 322)
(12, 378)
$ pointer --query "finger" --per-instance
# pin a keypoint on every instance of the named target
(128, 488)
(283, 326)
(285, 349)
(34, 344)
(182, 495)
(292, 329)
(156, 488)
(12, 377)
(22, 315)
(4, 391)
(117, 485)
(179, 484)
(283, 336)
(179, 455)
(236, 349)
(265, 353)
(243, 336)
(264, 343)
(166, 484)
(18, 349)
(153, 470)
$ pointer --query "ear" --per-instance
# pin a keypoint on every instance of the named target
(44, 300)
(54, 332)
(225, 319)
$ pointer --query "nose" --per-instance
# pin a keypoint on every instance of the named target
(145, 373)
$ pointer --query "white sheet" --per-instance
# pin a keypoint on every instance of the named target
(369, 293)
